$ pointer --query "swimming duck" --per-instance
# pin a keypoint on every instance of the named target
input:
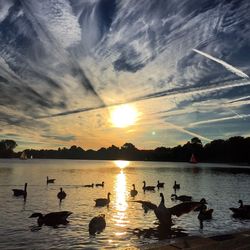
(97, 224)
(133, 192)
(182, 198)
(176, 186)
(160, 184)
(243, 211)
(52, 219)
(101, 202)
(205, 214)
(20, 192)
(164, 214)
(89, 186)
(50, 180)
(100, 184)
(61, 195)
(147, 188)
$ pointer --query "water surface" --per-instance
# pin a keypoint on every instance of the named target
(221, 185)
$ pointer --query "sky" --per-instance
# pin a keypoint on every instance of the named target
(66, 65)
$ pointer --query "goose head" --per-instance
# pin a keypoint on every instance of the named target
(103, 183)
(203, 201)
(39, 215)
(25, 186)
(162, 198)
(133, 185)
(109, 195)
(61, 189)
(241, 203)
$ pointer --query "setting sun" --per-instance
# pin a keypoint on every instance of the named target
(124, 116)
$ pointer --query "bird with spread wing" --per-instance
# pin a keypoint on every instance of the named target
(164, 214)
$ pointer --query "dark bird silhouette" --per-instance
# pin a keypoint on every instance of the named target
(182, 198)
(100, 184)
(133, 192)
(204, 214)
(176, 186)
(147, 188)
(61, 195)
(89, 186)
(160, 184)
(101, 202)
(146, 205)
(97, 224)
(50, 180)
(243, 211)
(20, 192)
(164, 214)
(52, 219)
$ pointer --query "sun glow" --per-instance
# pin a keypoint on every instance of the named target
(121, 164)
(124, 116)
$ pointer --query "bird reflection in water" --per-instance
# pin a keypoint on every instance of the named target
(160, 232)
(121, 205)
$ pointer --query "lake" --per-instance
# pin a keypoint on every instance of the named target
(222, 185)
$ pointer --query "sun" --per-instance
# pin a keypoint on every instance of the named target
(124, 116)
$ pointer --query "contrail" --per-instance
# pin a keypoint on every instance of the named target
(224, 64)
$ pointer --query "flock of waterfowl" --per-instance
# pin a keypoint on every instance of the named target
(162, 213)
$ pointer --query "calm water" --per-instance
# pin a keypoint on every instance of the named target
(126, 222)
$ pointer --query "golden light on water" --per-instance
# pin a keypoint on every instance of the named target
(121, 164)
(124, 116)
(121, 205)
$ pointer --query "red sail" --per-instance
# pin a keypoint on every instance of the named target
(193, 159)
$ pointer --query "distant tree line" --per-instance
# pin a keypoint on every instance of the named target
(233, 150)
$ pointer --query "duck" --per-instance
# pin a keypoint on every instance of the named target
(133, 192)
(243, 211)
(176, 186)
(97, 224)
(147, 188)
(50, 180)
(205, 214)
(182, 198)
(102, 202)
(52, 219)
(61, 195)
(21, 192)
(164, 214)
(160, 184)
(89, 185)
(100, 184)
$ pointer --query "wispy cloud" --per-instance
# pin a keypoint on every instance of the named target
(223, 63)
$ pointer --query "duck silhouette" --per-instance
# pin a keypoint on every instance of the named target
(182, 198)
(97, 224)
(160, 184)
(164, 214)
(21, 192)
(243, 211)
(100, 184)
(61, 195)
(133, 192)
(101, 202)
(50, 180)
(52, 219)
(147, 188)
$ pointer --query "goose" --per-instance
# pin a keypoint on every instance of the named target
(243, 211)
(101, 202)
(164, 214)
(176, 186)
(133, 192)
(20, 192)
(50, 180)
(97, 224)
(182, 198)
(61, 195)
(147, 188)
(88, 186)
(100, 184)
(52, 219)
(205, 214)
(160, 184)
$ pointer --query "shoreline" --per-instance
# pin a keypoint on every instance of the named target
(238, 240)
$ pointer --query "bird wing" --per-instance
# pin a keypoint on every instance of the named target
(147, 204)
(184, 208)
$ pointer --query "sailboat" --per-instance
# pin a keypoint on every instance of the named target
(193, 159)
(23, 156)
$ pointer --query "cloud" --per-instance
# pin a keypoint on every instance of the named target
(229, 67)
